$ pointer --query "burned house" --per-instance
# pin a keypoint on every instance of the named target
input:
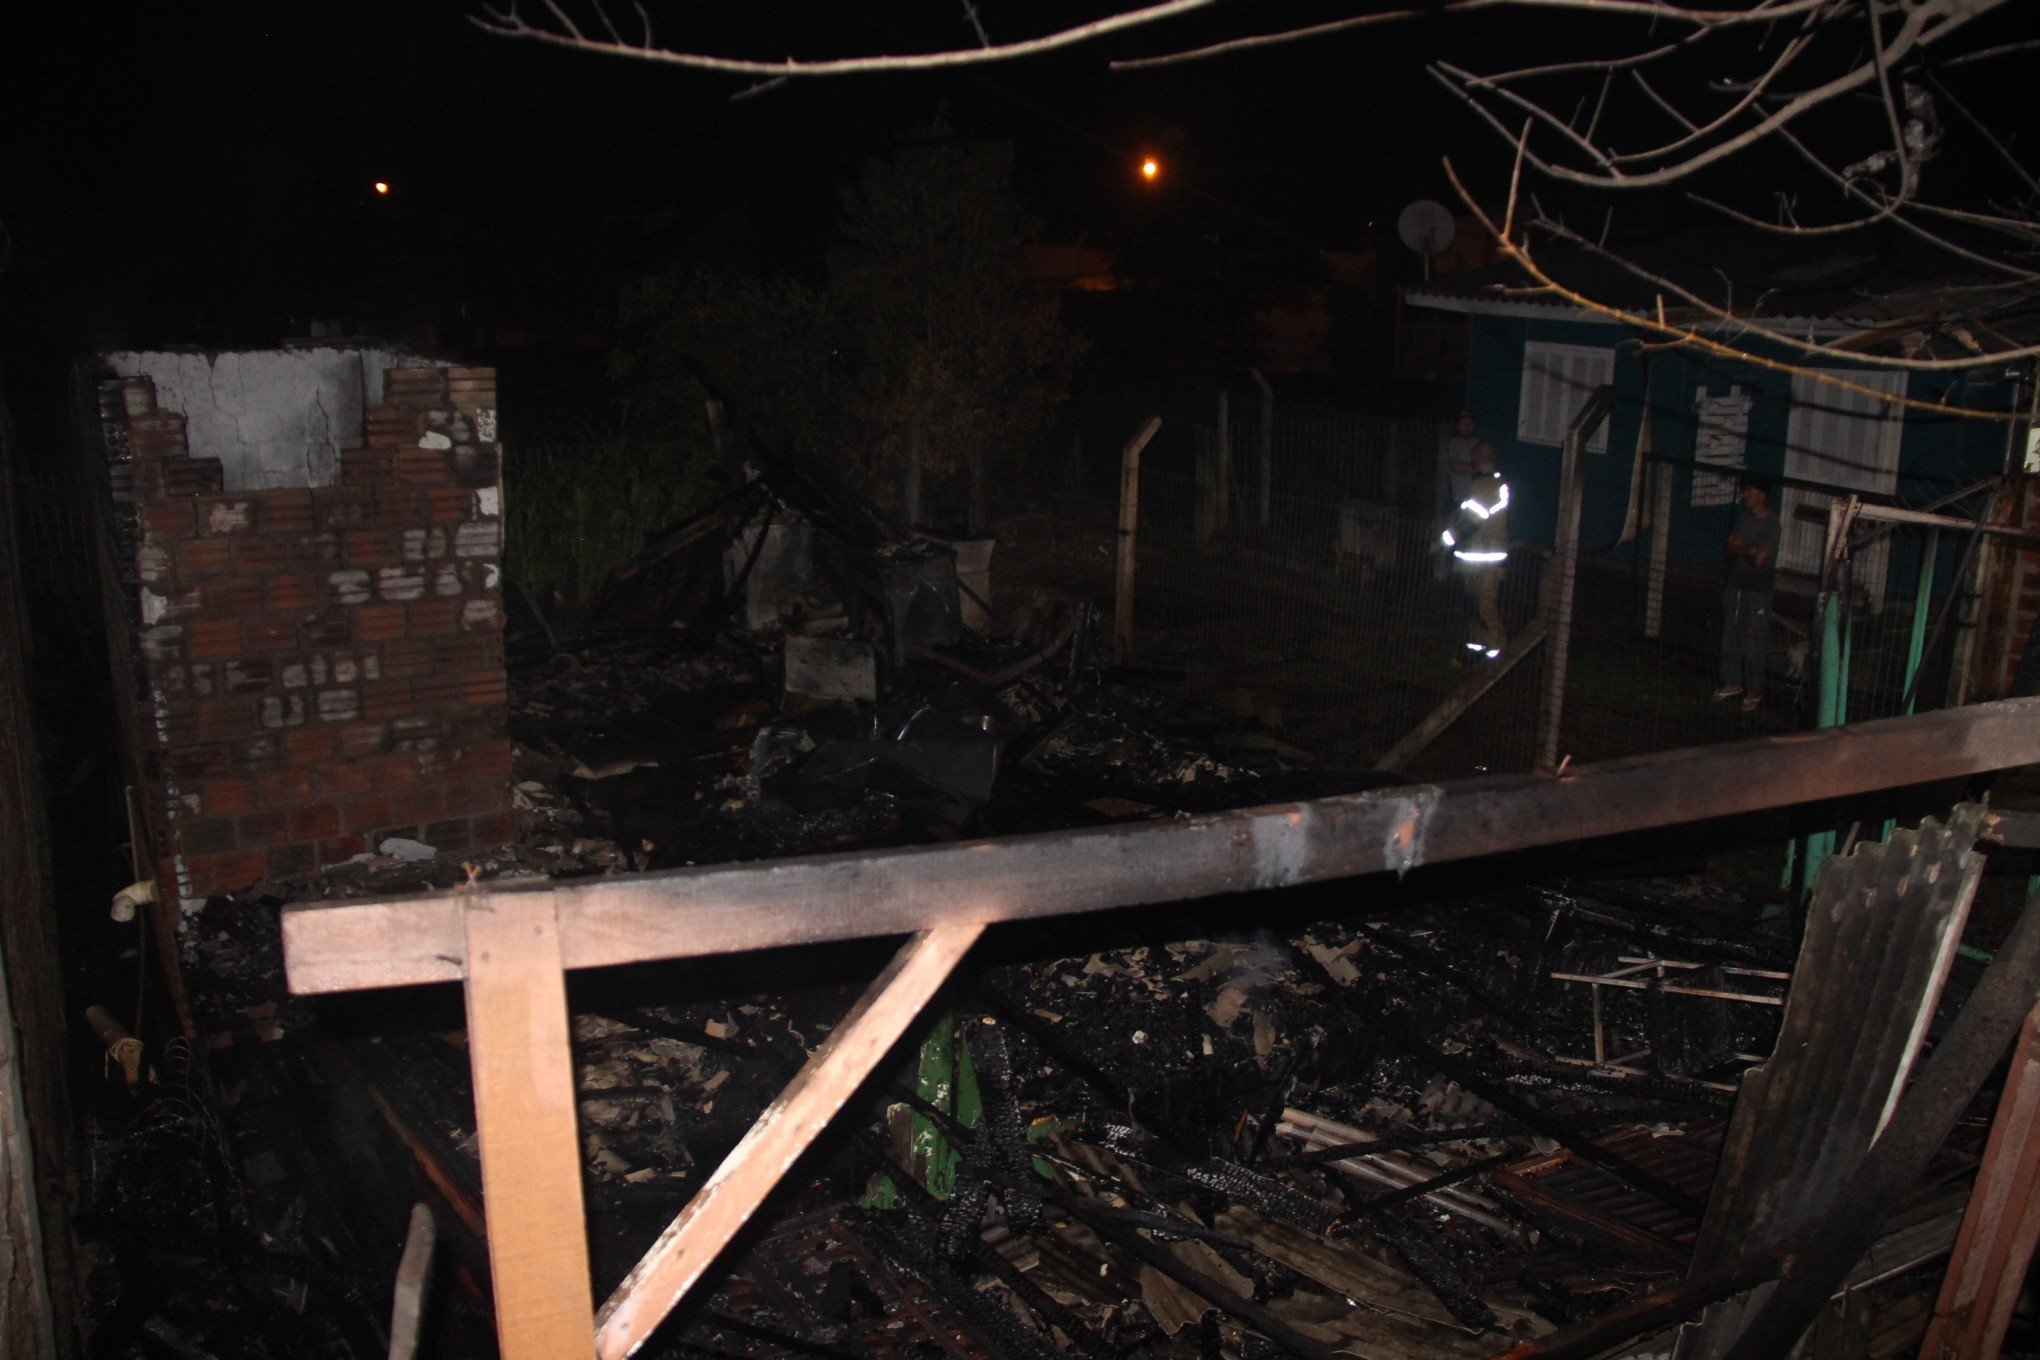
(520, 977)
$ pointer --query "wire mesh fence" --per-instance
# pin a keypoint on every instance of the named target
(1296, 579)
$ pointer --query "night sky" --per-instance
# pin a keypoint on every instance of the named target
(203, 172)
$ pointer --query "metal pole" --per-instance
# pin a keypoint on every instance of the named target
(1129, 531)
(1565, 561)
(1923, 595)
(1267, 449)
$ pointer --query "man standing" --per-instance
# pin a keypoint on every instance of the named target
(1455, 457)
(1752, 552)
(1478, 539)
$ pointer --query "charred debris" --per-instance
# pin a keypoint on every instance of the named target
(1428, 1123)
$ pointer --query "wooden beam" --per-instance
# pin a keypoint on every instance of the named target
(631, 918)
(1455, 704)
(1129, 532)
(733, 1193)
(2002, 1224)
(524, 1121)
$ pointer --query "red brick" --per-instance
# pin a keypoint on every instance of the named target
(439, 689)
(256, 829)
(486, 689)
(163, 423)
(365, 812)
(315, 822)
(404, 657)
(204, 557)
(337, 849)
(224, 873)
(342, 507)
(206, 836)
(388, 699)
(233, 595)
(287, 510)
(367, 467)
(379, 622)
(393, 772)
(370, 547)
(270, 633)
(256, 554)
(421, 804)
(192, 477)
(227, 796)
(400, 505)
(308, 746)
(434, 617)
(344, 779)
(213, 638)
(293, 593)
(357, 740)
(287, 788)
(333, 630)
(421, 467)
(449, 504)
(289, 861)
(168, 519)
(227, 717)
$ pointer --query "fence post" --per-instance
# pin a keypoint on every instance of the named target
(1204, 514)
(1129, 530)
(1225, 486)
(1565, 560)
(1267, 449)
(1660, 547)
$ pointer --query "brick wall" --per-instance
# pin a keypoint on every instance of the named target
(320, 667)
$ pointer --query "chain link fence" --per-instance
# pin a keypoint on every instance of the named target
(1294, 577)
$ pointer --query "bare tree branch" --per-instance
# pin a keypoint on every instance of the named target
(509, 23)
(1652, 10)
(1694, 337)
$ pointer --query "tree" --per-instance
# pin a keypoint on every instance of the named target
(1803, 117)
(923, 352)
(957, 360)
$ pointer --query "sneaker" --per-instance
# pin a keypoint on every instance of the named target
(1752, 702)
(1728, 691)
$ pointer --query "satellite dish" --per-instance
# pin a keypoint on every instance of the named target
(1426, 227)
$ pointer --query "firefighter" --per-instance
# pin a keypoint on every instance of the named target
(1478, 539)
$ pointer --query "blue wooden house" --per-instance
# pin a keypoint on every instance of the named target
(1533, 361)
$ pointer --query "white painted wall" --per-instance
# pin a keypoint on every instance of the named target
(273, 417)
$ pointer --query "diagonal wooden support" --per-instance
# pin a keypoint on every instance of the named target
(2001, 1225)
(524, 1121)
(729, 1198)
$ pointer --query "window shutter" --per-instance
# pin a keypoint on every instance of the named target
(1557, 380)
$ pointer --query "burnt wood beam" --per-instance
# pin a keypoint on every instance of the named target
(632, 918)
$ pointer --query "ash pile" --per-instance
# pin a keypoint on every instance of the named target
(1431, 1123)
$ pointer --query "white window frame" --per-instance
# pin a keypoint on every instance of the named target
(1843, 437)
(1557, 380)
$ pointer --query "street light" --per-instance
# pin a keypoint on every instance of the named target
(382, 188)
(1150, 169)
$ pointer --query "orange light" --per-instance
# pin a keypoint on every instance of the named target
(1150, 168)
(382, 187)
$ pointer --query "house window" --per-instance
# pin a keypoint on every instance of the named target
(1557, 380)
